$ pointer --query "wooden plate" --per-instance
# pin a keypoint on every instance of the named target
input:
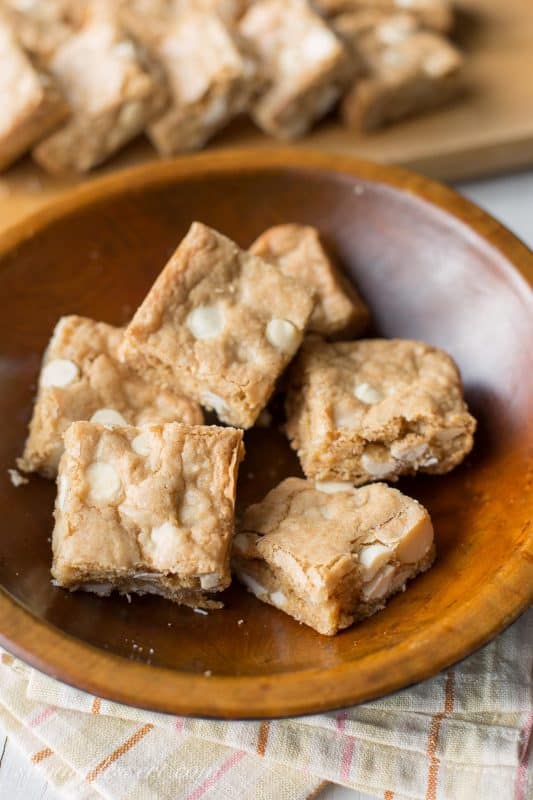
(432, 266)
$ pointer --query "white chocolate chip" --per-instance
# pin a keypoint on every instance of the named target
(439, 63)
(371, 558)
(283, 335)
(252, 584)
(375, 468)
(415, 453)
(416, 542)
(104, 482)
(205, 322)
(59, 372)
(332, 487)
(141, 444)
(380, 585)
(16, 478)
(278, 598)
(164, 539)
(62, 488)
(367, 394)
(447, 434)
(409, 454)
(318, 45)
(396, 29)
(210, 580)
(109, 418)
(213, 401)
(125, 49)
(195, 507)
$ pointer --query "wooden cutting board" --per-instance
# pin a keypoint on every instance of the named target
(489, 129)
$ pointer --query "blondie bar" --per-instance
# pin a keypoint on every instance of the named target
(327, 557)
(298, 252)
(403, 69)
(305, 64)
(210, 80)
(220, 325)
(146, 510)
(32, 104)
(113, 89)
(82, 379)
(376, 409)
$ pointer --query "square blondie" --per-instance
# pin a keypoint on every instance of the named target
(82, 379)
(219, 325)
(146, 510)
(404, 69)
(304, 63)
(210, 80)
(327, 557)
(113, 89)
(32, 104)
(298, 252)
(375, 409)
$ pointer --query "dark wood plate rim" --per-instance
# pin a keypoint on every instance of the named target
(445, 642)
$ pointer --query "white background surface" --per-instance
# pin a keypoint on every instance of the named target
(508, 198)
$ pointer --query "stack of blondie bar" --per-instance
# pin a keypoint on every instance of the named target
(82, 78)
(146, 491)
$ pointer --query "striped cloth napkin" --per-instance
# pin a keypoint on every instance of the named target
(461, 735)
